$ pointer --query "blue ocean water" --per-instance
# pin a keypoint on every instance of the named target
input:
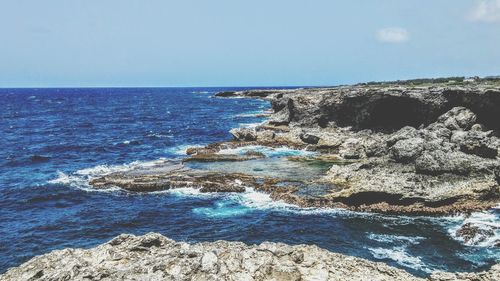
(52, 140)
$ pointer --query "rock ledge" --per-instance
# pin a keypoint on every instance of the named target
(155, 257)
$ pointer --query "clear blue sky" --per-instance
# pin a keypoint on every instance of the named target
(54, 43)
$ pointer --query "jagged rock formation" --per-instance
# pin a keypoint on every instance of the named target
(394, 149)
(425, 149)
(174, 175)
(385, 107)
(476, 233)
(155, 257)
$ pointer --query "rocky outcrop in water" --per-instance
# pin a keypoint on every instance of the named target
(425, 149)
(391, 148)
(173, 175)
(477, 233)
(155, 257)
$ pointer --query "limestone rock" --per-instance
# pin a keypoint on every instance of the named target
(474, 233)
(458, 118)
(309, 138)
(352, 148)
(476, 142)
(404, 133)
(244, 134)
(406, 150)
(155, 257)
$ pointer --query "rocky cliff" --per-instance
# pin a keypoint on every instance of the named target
(422, 149)
(155, 257)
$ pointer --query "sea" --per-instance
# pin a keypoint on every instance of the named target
(52, 141)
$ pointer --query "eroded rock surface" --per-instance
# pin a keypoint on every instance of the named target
(426, 149)
(155, 257)
(392, 148)
(171, 176)
(476, 233)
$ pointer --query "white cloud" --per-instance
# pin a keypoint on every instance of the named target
(486, 11)
(393, 35)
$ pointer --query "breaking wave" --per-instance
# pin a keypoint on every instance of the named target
(401, 257)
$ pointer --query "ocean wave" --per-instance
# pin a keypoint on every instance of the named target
(158, 135)
(252, 200)
(102, 170)
(80, 178)
(390, 238)
(181, 149)
(251, 114)
(79, 183)
(268, 151)
(251, 125)
(401, 257)
(202, 92)
(487, 221)
(128, 142)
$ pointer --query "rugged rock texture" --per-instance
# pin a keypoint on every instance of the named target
(385, 107)
(155, 257)
(425, 149)
(476, 233)
(173, 175)
(214, 157)
(492, 274)
(392, 148)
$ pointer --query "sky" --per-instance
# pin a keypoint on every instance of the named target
(149, 43)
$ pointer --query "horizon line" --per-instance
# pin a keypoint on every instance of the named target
(251, 86)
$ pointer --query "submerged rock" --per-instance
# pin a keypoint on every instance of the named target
(475, 233)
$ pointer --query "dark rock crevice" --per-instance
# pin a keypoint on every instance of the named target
(372, 197)
(484, 104)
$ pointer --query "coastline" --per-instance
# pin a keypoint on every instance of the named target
(336, 188)
(155, 257)
(390, 148)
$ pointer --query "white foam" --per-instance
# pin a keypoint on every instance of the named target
(259, 200)
(102, 170)
(156, 135)
(400, 256)
(184, 192)
(389, 238)
(78, 182)
(262, 201)
(65, 179)
(181, 149)
(251, 114)
(80, 179)
(484, 220)
(268, 151)
(250, 125)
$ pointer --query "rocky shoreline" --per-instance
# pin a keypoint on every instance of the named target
(394, 148)
(415, 149)
(155, 257)
(397, 148)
